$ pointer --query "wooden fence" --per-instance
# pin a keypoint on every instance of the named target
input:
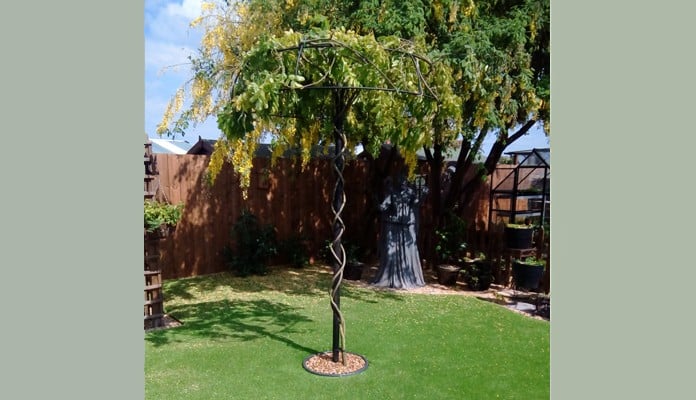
(296, 201)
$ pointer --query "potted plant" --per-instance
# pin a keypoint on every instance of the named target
(354, 267)
(519, 236)
(161, 218)
(527, 273)
(478, 273)
(450, 250)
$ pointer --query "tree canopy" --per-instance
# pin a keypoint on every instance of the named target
(494, 55)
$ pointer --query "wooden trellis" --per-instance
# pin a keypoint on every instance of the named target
(154, 301)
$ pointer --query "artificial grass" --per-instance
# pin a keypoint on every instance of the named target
(246, 338)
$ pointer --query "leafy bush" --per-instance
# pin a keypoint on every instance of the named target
(478, 273)
(451, 247)
(158, 214)
(354, 252)
(533, 261)
(325, 252)
(294, 250)
(255, 244)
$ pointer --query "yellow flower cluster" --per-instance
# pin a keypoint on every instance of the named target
(213, 39)
(221, 151)
(202, 98)
(243, 155)
(207, 9)
(173, 107)
(454, 7)
(469, 8)
(307, 141)
(277, 151)
(240, 153)
(411, 161)
(196, 22)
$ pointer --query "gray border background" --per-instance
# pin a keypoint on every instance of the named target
(622, 230)
(71, 165)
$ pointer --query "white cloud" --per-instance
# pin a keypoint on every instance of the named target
(189, 9)
(170, 21)
(160, 55)
(168, 42)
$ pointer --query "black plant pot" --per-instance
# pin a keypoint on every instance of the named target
(519, 237)
(479, 275)
(353, 270)
(527, 276)
(447, 274)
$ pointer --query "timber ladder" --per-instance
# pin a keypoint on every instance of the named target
(154, 301)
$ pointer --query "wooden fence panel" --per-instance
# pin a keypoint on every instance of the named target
(296, 201)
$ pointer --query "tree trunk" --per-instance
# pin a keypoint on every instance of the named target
(460, 193)
(435, 162)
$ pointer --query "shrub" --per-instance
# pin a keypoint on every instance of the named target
(294, 251)
(325, 253)
(354, 252)
(158, 214)
(478, 273)
(450, 245)
(254, 245)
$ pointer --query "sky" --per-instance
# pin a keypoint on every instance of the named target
(168, 43)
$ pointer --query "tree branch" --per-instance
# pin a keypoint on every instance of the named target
(428, 154)
(501, 144)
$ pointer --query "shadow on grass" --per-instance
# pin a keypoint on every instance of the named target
(234, 320)
(308, 281)
(369, 294)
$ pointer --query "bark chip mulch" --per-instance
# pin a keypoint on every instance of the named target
(322, 364)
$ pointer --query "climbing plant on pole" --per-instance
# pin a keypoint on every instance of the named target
(305, 89)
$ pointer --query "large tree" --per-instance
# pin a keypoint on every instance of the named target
(493, 79)
(500, 49)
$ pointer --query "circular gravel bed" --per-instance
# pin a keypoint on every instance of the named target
(322, 364)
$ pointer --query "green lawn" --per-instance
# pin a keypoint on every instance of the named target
(246, 338)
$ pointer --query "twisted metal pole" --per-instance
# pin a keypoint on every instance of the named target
(337, 250)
